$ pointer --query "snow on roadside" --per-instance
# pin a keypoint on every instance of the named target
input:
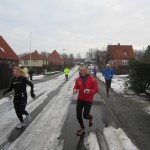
(4, 100)
(37, 77)
(91, 142)
(119, 86)
(118, 140)
(118, 82)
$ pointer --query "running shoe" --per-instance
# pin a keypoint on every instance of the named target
(20, 125)
(80, 131)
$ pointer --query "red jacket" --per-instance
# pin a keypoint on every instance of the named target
(89, 84)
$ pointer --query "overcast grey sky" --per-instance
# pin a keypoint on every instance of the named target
(74, 25)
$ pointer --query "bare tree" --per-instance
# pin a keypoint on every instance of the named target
(99, 57)
(45, 54)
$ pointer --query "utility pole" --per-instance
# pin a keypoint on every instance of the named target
(64, 57)
(30, 47)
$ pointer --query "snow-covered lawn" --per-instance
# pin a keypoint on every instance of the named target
(118, 82)
(119, 85)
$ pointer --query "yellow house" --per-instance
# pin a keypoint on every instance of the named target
(34, 60)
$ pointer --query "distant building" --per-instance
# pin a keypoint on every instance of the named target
(119, 55)
(55, 61)
(7, 55)
(87, 60)
(35, 60)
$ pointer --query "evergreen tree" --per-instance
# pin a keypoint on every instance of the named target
(147, 53)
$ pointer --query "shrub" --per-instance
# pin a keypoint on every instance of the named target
(139, 76)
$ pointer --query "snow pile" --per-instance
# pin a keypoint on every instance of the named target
(3, 100)
(118, 140)
(91, 142)
(118, 82)
(37, 77)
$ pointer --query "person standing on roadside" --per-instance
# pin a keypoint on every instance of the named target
(94, 71)
(108, 75)
(19, 83)
(86, 86)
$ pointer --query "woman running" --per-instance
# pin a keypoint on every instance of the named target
(19, 83)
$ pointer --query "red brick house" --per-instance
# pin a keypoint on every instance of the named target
(7, 55)
(55, 61)
(8, 60)
(119, 55)
(36, 61)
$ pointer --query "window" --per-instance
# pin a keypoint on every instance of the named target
(26, 62)
(125, 62)
(111, 62)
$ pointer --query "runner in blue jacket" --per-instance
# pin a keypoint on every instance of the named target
(108, 75)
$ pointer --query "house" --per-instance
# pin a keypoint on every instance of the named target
(119, 55)
(8, 60)
(7, 55)
(36, 61)
(55, 61)
(88, 60)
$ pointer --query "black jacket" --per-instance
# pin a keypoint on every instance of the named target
(19, 86)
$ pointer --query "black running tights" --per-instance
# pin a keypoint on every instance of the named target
(108, 85)
(20, 110)
(79, 108)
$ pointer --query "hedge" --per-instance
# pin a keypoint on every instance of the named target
(139, 77)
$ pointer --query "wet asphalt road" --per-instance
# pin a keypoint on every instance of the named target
(101, 117)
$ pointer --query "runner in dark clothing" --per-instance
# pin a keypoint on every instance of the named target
(19, 83)
(86, 86)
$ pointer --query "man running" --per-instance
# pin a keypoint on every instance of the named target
(86, 86)
(108, 74)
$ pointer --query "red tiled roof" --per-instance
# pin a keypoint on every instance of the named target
(34, 56)
(6, 51)
(120, 51)
(54, 54)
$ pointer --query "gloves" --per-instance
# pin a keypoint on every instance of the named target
(32, 94)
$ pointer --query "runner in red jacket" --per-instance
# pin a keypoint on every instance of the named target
(86, 86)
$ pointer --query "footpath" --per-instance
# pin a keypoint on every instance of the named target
(129, 116)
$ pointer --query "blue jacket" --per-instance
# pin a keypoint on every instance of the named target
(108, 73)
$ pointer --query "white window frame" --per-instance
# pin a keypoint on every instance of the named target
(125, 62)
